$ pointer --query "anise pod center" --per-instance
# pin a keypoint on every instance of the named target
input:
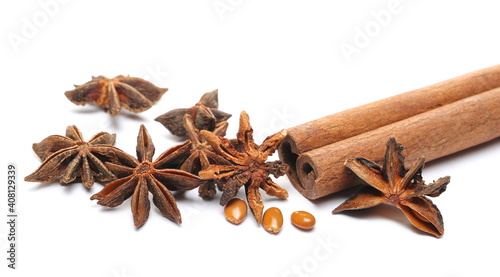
(144, 168)
(254, 166)
(393, 199)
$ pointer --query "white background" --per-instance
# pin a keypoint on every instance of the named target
(282, 62)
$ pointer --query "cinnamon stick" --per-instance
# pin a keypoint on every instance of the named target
(355, 121)
(432, 134)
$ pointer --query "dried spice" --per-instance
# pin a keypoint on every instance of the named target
(250, 167)
(131, 93)
(316, 150)
(272, 220)
(303, 220)
(70, 158)
(138, 176)
(201, 154)
(196, 154)
(205, 114)
(235, 210)
(393, 184)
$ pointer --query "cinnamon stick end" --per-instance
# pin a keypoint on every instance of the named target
(288, 154)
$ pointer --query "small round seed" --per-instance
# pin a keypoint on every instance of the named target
(272, 220)
(303, 220)
(235, 210)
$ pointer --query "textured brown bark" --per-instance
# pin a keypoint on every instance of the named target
(433, 134)
(365, 118)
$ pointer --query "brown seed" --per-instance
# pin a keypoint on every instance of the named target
(272, 220)
(235, 210)
(303, 220)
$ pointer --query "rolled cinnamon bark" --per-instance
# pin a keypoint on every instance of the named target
(355, 121)
(432, 134)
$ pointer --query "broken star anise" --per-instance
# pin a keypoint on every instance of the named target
(202, 155)
(138, 176)
(205, 114)
(250, 167)
(131, 93)
(393, 184)
(70, 157)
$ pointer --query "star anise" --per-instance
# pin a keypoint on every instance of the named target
(70, 157)
(196, 154)
(205, 114)
(138, 176)
(202, 155)
(393, 184)
(131, 93)
(250, 167)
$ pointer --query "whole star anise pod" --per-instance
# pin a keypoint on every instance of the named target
(131, 93)
(205, 114)
(138, 176)
(70, 157)
(250, 167)
(393, 184)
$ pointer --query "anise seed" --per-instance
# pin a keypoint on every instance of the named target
(303, 220)
(272, 220)
(235, 211)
